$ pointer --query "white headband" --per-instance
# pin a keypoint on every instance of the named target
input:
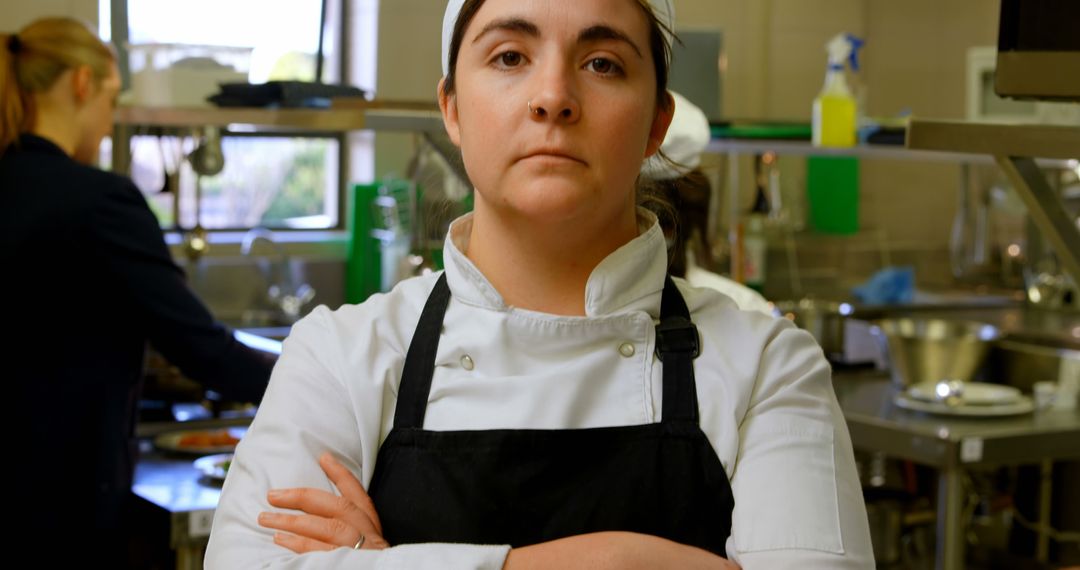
(663, 9)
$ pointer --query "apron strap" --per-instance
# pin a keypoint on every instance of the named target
(420, 360)
(677, 345)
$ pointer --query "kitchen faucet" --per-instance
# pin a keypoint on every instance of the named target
(282, 291)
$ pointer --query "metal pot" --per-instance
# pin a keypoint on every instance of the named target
(822, 319)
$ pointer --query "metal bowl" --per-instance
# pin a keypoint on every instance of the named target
(929, 349)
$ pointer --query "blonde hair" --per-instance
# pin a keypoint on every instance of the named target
(32, 59)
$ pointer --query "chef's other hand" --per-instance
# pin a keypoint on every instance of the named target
(614, 550)
(330, 521)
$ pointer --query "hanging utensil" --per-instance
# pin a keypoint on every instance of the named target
(196, 242)
(208, 158)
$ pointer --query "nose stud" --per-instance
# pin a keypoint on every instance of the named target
(531, 110)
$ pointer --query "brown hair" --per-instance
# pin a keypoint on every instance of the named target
(682, 207)
(31, 61)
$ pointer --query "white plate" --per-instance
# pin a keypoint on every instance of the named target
(1022, 406)
(975, 393)
(214, 466)
(174, 441)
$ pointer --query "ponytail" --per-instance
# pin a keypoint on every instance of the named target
(12, 107)
(33, 58)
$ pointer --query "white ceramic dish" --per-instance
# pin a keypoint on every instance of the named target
(975, 393)
(1022, 406)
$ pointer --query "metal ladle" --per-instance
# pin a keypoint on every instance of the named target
(207, 159)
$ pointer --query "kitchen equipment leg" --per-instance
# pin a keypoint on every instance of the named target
(950, 531)
(1046, 485)
(732, 190)
(189, 557)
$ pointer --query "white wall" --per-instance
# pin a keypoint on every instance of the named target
(409, 69)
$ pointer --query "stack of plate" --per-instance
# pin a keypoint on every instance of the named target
(978, 399)
(214, 467)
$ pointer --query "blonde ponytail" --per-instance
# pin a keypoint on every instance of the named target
(32, 59)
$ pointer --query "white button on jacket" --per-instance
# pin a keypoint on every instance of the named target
(764, 391)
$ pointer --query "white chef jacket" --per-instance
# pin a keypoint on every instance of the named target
(746, 298)
(766, 404)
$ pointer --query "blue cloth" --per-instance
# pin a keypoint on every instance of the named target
(890, 285)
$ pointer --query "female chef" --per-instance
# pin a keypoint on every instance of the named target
(553, 398)
(88, 281)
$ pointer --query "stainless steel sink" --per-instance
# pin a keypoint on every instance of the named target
(270, 332)
(1021, 361)
(266, 339)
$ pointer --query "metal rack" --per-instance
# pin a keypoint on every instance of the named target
(1014, 148)
(1020, 150)
(342, 116)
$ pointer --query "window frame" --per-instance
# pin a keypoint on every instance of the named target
(337, 19)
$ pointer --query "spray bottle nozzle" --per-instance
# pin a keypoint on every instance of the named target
(844, 48)
(856, 44)
(839, 49)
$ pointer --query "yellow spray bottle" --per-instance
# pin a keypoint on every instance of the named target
(834, 122)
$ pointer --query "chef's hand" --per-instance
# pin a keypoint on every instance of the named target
(614, 550)
(329, 521)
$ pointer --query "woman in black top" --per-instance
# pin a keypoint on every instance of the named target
(87, 282)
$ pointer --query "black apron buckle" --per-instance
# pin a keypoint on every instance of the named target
(677, 335)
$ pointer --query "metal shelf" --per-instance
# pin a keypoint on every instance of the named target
(1035, 141)
(341, 117)
(874, 151)
(1020, 150)
(1014, 148)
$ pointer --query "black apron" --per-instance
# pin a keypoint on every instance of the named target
(526, 486)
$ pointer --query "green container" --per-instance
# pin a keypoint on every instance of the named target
(832, 188)
(363, 276)
(380, 223)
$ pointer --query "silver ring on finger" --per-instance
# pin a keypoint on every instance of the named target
(360, 542)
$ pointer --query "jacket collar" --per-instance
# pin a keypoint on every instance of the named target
(28, 142)
(631, 278)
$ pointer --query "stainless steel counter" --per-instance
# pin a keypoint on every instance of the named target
(939, 441)
(173, 484)
(953, 446)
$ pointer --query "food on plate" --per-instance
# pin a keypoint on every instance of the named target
(218, 438)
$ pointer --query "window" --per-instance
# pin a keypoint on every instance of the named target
(283, 34)
(277, 180)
